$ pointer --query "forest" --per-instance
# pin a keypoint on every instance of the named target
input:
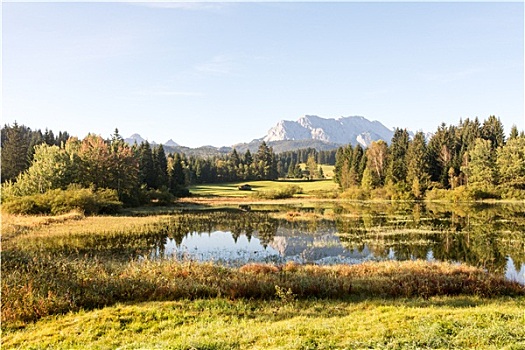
(469, 161)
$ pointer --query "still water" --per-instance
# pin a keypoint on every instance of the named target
(487, 236)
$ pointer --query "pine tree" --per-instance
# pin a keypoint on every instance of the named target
(493, 131)
(481, 169)
(417, 165)
(511, 163)
(14, 151)
(160, 165)
(147, 174)
(514, 134)
(397, 169)
(248, 159)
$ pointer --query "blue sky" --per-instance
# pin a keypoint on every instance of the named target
(222, 73)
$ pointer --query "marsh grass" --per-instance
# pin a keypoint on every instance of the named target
(38, 286)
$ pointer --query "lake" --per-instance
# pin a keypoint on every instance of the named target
(490, 236)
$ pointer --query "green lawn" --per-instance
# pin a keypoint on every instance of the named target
(437, 323)
(310, 188)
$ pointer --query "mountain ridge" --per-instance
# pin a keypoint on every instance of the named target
(309, 131)
(343, 130)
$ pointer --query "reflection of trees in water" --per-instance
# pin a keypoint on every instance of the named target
(119, 245)
(246, 223)
(478, 235)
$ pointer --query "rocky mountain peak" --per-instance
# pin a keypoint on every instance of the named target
(354, 130)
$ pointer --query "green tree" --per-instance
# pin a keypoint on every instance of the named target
(160, 165)
(50, 169)
(377, 155)
(15, 145)
(417, 165)
(147, 173)
(511, 163)
(397, 167)
(492, 130)
(514, 134)
(442, 149)
(266, 167)
(481, 168)
(311, 167)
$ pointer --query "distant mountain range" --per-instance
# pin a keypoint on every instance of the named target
(136, 138)
(344, 130)
(309, 131)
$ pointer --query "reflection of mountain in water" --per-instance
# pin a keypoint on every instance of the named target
(325, 247)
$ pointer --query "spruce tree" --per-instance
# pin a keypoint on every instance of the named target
(417, 165)
(14, 151)
(493, 131)
(160, 164)
(147, 175)
(514, 134)
(397, 169)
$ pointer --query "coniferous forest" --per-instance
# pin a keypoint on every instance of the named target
(468, 161)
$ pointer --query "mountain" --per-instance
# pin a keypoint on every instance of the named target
(135, 138)
(344, 130)
(309, 131)
(171, 143)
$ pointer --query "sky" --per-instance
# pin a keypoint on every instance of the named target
(222, 73)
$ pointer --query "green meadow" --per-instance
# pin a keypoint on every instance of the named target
(314, 188)
(221, 323)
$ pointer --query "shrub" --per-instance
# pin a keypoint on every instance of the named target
(286, 192)
(159, 196)
(62, 201)
(355, 193)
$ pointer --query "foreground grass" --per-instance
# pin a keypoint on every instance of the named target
(219, 323)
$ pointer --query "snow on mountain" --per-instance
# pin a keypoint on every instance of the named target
(343, 130)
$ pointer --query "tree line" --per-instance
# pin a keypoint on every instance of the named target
(471, 159)
(34, 162)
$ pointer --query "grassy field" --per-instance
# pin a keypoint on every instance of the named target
(220, 323)
(309, 188)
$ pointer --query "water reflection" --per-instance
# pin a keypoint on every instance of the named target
(487, 236)
(218, 246)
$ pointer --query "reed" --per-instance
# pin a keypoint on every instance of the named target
(37, 286)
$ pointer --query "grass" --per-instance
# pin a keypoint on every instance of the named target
(219, 323)
(41, 285)
(64, 287)
(309, 188)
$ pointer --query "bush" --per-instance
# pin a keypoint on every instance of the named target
(159, 196)
(286, 192)
(103, 201)
(355, 193)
